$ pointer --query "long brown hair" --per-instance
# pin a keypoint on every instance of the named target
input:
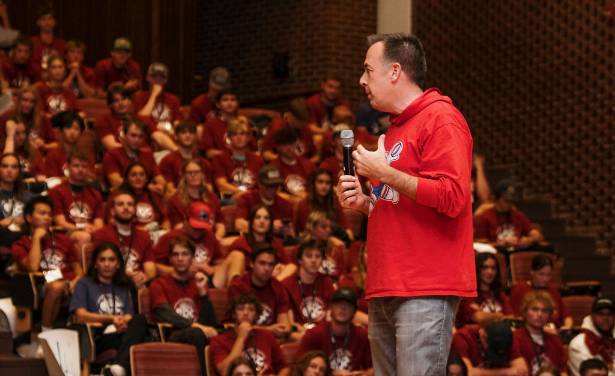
(182, 188)
(34, 120)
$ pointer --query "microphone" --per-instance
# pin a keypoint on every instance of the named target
(347, 138)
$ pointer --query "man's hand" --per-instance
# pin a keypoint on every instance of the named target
(39, 233)
(350, 194)
(156, 90)
(279, 329)
(138, 278)
(201, 283)
(10, 128)
(371, 164)
(244, 329)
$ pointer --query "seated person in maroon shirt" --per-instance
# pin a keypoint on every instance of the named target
(269, 182)
(157, 104)
(207, 258)
(489, 350)
(345, 344)
(81, 79)
(132, 150)
(171, 164)
(193, 186)
(120, 67)
(213, 134)
(110, 127)
(321, 104)
(503, 224)
(491, 303)
(335, 162)
(294, 170)
(321, 197)
(540, 280)
(46, 44)
(135, 244)
(235, 170)
(78, 206)
(70, 126)
(180, 299)
(202, 106)
(271, 294)
(319, 226)
(538, 347)
(56, 98)
(41, 250)
(309, 291)
(297, 117)
(18, 142)
(260, 233)
(18, 69)
(247, 340)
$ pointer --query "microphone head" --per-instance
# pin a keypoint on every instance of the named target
(347, 138)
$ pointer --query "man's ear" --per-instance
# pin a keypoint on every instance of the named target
(395, 71)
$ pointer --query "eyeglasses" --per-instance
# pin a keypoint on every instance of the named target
(193, 172)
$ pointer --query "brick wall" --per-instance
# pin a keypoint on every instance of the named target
(319, 36)
(535, 81)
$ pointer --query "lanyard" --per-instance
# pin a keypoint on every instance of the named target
(346, 339)
(120, 237)
(48, 258)
(309, 310)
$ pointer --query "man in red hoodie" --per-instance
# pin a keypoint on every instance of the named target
(420, 215)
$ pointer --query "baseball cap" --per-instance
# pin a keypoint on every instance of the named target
(344, 294)
(499, 341)
(219, 78)
(270, 175)
(158, 69)
(122, 44)
(506, 189)
(200, 216)
(603, 303)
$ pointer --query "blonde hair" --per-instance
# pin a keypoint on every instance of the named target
(537, 296)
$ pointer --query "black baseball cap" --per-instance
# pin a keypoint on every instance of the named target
(344, 294)
(603, 303)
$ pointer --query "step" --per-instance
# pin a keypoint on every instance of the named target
(12, 365)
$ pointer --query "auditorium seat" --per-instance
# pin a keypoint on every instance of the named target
(219, 299)
(521, 265)
(579, 307)
(289, 352)
(162, 359)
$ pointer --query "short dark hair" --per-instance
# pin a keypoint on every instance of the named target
(78, 153)
(31, 204)
(286, 135)
(23, 41)
(405, 49)
(185, 126)
(183, 241)
(136, 122)
(116, 88)
(224, 92)
(263, 248)
(311, 243)
(245, 299)
(298, 108)
(65, 119)
(540, 261)
(74, 44)
(239, 361)
(592, 363)
(44, 10)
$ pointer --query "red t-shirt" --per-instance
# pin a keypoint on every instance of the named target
(519, 290)
(89, 76)
(295, 176)
(493, 226)
(424, 247)
(466, 343)
(178, 212)
(320, 113)
(200, 108)
(77, 207)
(55, 163)
(309, 302)
(550, 352)
(57, 252)
(242, 244)
(305, 143)
(261, 347)
(56, 100)
(117, 160)
(272, 296)
(30, 165)
(136, 247)
(42, 51)
(334, 264)
(351, 353)
(172, 163)
(149, 209)
(239, 173)
(20, 76)
(207, 247)
(280, 209)
(107, 73)
(183, 297)
(303, 211)
(109, 124)
(214, 134)
(485, 302)
(166, 108)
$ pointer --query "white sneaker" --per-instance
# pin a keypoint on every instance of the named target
(31, 350)
(114, 369)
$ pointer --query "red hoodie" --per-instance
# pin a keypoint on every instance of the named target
(424, 247)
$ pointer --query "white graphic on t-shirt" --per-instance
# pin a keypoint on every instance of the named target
(65, 169)
(312, 309)
(490, 305)
(79, 212)
(300, 148)
(131, 259)
(145, 212)
(162, 116)
(242, 177)
(20, 81)
(340, 359)
(51, 260)
(202, 254)
(295, 184)
(266, 316)
(328, 266)
(24, 164)
(109, 304)
(11, 208)
(384, 191)
(56, 103)
(257, 357)
(505, 232)
(540, 361)
(186, 308)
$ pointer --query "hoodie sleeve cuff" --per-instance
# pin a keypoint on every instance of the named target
(427, 192)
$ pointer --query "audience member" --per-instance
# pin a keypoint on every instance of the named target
(334, 263)
(54, 96)
(594, 367)
(119, 67)
(202, 107)
(19, 142)
(104, 296)
(46, 44)
(320, 197)
(293, 169)
(81, 79)
(247, 340)
(18, 69)
(13, 196)
(180, 299)
(110, 126)
(70, 126)
(241, 366)
(321, 104)
(597, 338)
(213, 135)
(455, 366)
(312, 363)
(346, 345)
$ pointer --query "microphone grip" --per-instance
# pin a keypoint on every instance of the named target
(348, 161)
